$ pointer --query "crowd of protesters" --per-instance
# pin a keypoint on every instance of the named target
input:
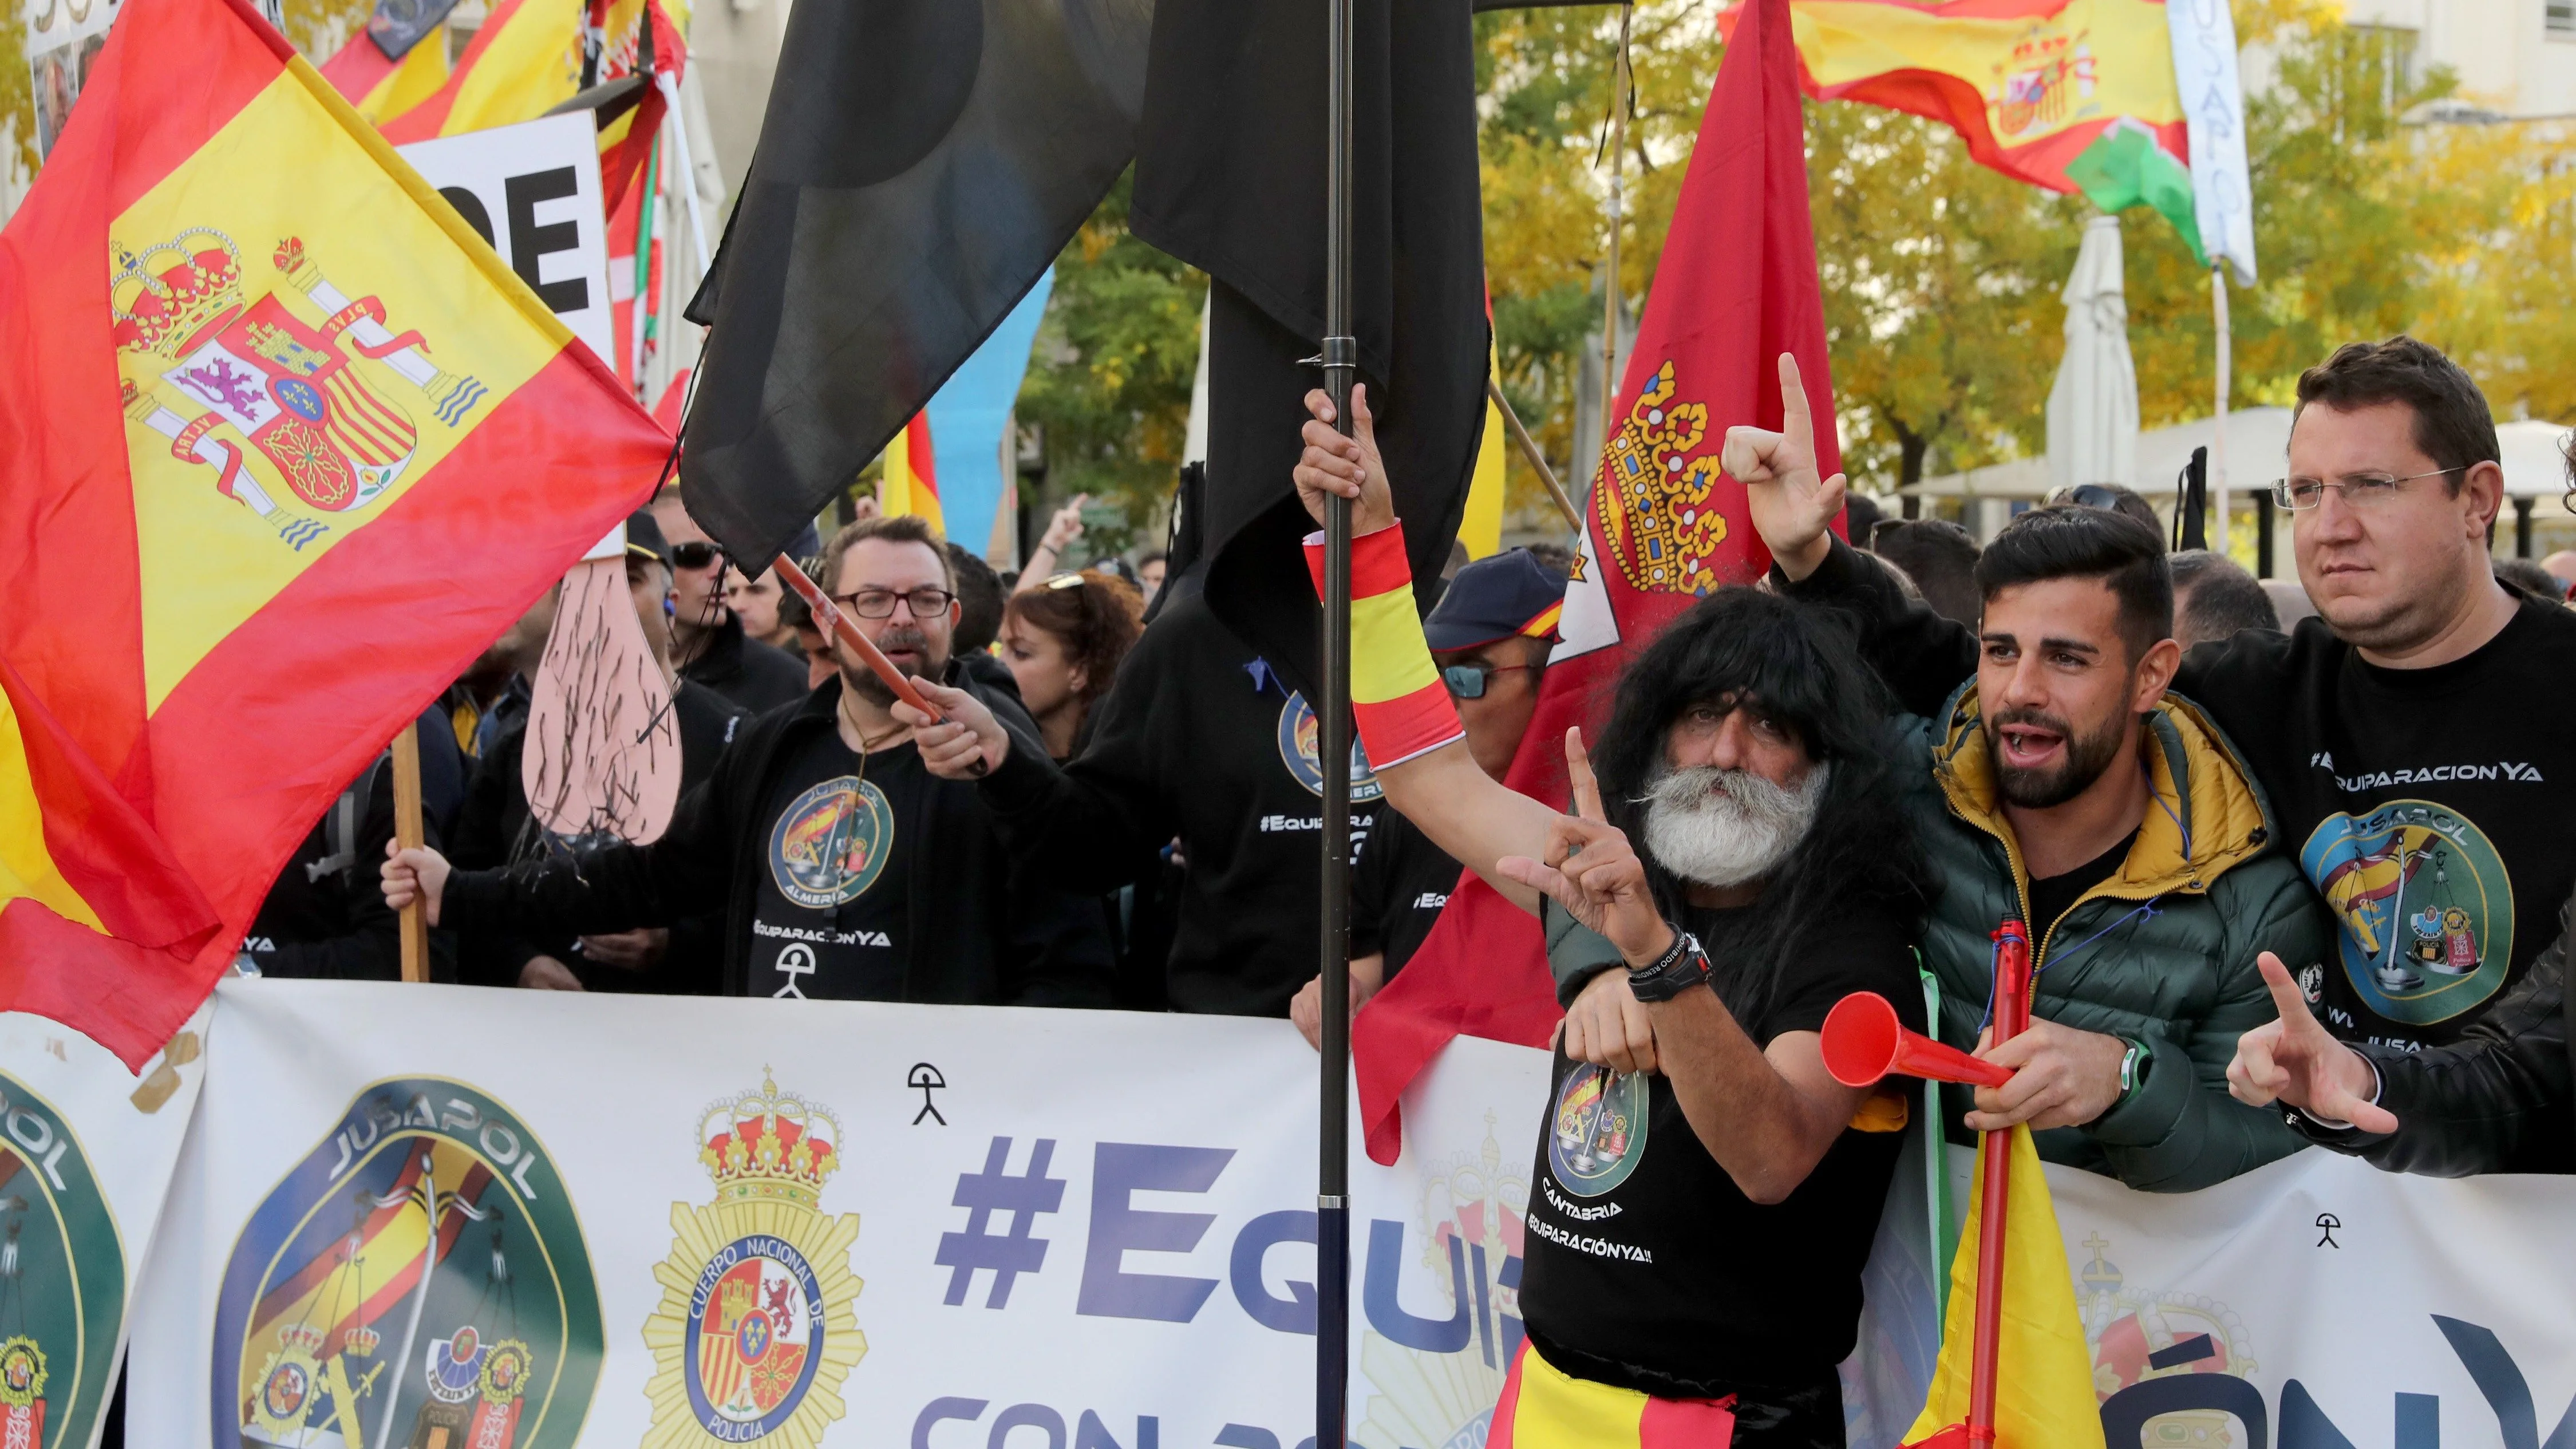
(2290, 863)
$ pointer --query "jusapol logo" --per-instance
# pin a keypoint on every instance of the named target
(419, 1277)
(62, 1279)
(1301, 747)
(2424, 904)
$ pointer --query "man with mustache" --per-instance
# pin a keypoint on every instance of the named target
(1696, 1234)
(845, 870)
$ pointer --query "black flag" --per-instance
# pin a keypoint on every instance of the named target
(921, 163)
(1230, 177)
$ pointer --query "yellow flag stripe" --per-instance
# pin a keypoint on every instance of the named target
(1559, 1411)
(27, 868)
(1388, 658)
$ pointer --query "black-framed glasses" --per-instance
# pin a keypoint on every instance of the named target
(695, 555)
(879, 603)
(2359, 490)
(1468, 681)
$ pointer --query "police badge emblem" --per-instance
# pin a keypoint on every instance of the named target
(430, 1206)
(755, 1330)
(62, 1279)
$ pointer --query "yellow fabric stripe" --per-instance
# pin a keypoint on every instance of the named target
(901, 491)
(1560, 1411)
(422, 72)
(1480, 528)
(1388, 658)
(26, 866)
(2045, 1392)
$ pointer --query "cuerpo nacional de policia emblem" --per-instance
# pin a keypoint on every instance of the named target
(418, 1281)
(2424, 907)
(830, 843)
(1598, 1130)
(62, 1279)
(1301, 750)
(756, 1330)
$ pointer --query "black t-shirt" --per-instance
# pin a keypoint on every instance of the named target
(1647, 1267)
(831, 911)
(2051, 895)
(1399, 885)
(2430, 807)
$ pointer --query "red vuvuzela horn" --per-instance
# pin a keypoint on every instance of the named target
(1864, 1042)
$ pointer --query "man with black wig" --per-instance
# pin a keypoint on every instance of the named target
(1699, 1228)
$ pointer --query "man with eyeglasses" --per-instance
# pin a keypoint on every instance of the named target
(1489, 636)
(707, 640)
(2419, 792)
(845, 870)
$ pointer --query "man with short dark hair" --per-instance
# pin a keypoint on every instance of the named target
(2214, 597)
(845, 870)
(707, 641)
(2393, 736)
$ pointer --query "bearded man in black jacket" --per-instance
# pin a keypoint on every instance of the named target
(844, 869)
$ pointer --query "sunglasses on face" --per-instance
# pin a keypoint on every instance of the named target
(1468, 681)
(695, 555)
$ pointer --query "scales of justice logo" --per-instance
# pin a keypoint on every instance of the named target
(418, 1280)
(1597, 1132)
(756, 1328)
(62, 1279)
(243, 368)
(2424, 906)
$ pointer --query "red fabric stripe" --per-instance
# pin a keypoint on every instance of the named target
(1396, 730)
(1378, 564)
(277, 718)
(359, 67)
(1687, 1423)
(422, 121)
(919, 453)
(113, 992)
(1498, 1430)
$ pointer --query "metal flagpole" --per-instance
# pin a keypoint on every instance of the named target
(2218, 433)
(1333, 1168)
(1620, 81)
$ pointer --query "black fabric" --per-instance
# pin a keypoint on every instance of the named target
(984, 932)
(744, 670)
(1398, 886)
(2051, 895)
(2462, 764)
(2496, 1098)
(496, 830)
(325, 917)
(1188, 744)
(1228, 183)
(1647, 1267)
(834, 873)
(920, 164)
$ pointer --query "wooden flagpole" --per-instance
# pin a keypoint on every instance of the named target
(408, 835)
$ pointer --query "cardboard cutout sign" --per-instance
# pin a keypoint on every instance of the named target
(533, 191)
(603, 751)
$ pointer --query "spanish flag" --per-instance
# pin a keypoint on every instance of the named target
(911, 482)
(285, 446)
(380, 86)
(525, 61)
(2044, 1396)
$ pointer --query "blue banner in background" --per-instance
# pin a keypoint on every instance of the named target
(967, 416)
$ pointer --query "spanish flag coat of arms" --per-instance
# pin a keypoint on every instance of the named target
(283, 445)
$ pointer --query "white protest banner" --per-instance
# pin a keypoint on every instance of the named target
(2213, 107)
(86, 1149)
(533, 191)
(687, 1222)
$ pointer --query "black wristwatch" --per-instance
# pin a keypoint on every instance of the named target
(1682, 966)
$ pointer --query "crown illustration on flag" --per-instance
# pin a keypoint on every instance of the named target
(172, 292)
(769, 1144)
(363, 1341)
(302, 1337)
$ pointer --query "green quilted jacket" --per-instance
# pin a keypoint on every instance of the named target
(2161, 952)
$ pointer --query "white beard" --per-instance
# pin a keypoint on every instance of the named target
(1722, 828)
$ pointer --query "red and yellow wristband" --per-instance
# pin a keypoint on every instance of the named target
(1397, 699)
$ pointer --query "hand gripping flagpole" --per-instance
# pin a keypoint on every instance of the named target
(1332, 1178)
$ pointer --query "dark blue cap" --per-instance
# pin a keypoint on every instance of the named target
(1509, 594)
(644, 537)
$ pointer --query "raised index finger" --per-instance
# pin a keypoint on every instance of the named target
(2287, 999)
(1797, 421)
(1578, 770)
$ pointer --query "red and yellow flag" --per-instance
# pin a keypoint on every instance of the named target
(286, 446)
(525, 61)
(2071, 95)
(381, 87)
(911, 483)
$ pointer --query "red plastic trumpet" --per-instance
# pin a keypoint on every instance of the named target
(1863, 1042)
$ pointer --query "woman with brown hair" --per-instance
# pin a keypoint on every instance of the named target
(1063, 640)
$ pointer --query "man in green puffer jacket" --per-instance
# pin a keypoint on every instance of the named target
(2064, 786)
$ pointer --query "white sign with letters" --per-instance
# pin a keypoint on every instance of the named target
(533, 191)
